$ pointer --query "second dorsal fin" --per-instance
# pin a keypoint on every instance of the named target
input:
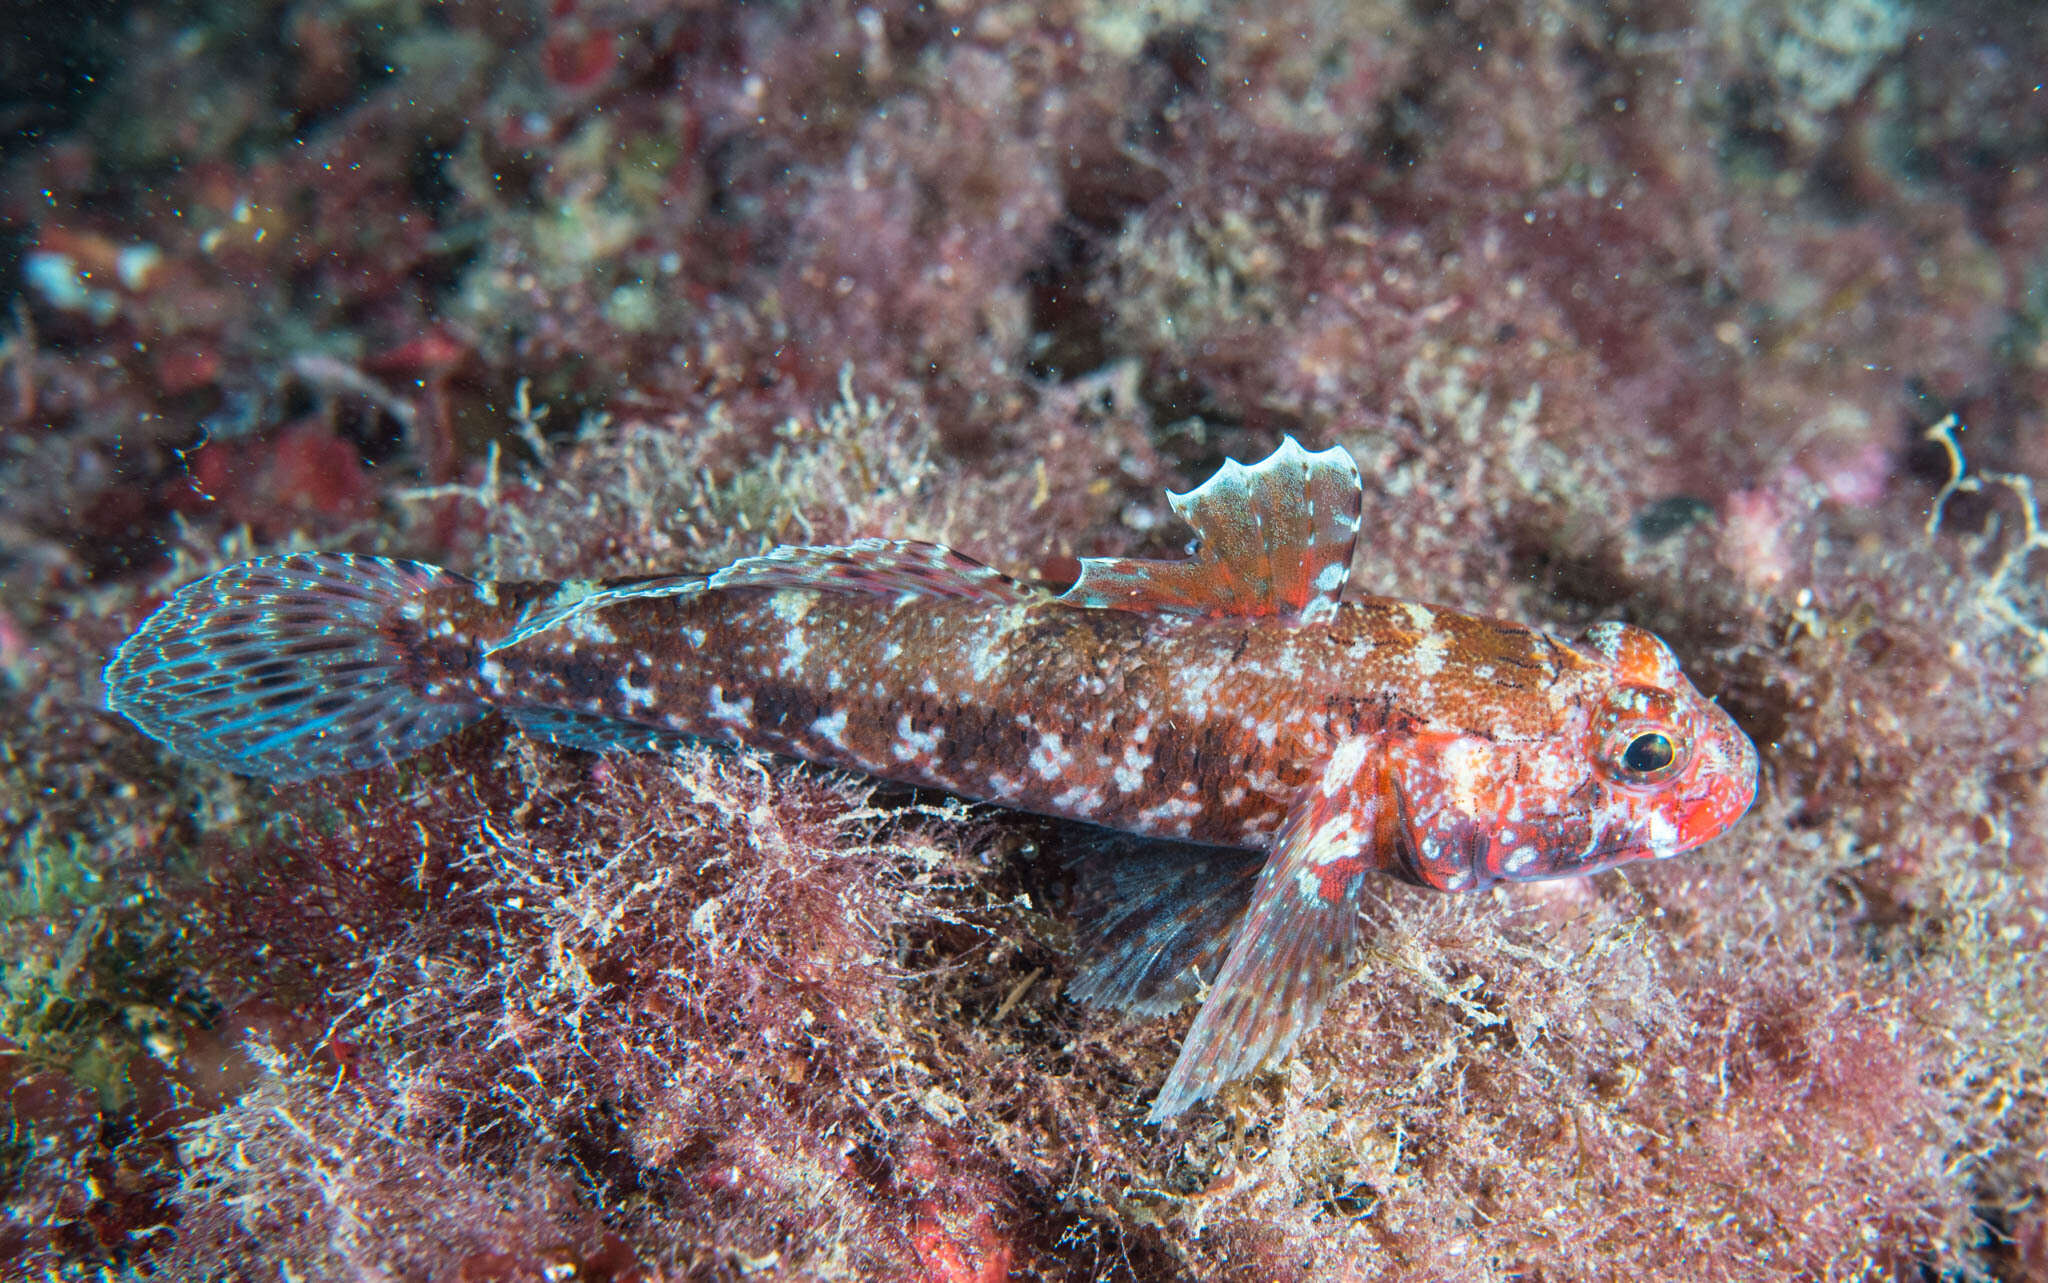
(1274, 538)
(898, 567)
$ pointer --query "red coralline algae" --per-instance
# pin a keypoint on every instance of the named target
(1637, 311)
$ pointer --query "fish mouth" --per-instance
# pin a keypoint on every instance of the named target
(1559, 859)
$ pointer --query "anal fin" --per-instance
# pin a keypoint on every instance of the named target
(1300, 933)
(594, 732)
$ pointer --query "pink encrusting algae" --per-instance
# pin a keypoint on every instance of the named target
(1231, 699)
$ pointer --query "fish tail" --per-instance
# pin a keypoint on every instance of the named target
(302, 665)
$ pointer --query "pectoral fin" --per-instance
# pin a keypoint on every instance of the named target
(1274, 538)
(1300, 935)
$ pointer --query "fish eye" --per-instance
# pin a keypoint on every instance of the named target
(1645, 736)
(1649, 753)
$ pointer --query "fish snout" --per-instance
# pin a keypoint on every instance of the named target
(1725, 780)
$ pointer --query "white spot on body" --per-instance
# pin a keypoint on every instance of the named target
(790, 606)
(1050, 758)
(1131, 773)
(1427, 658)
(1519, 859)
(1552, 774)
(1263, 826)
(588, 626)
(1194, 684)
(831, 727)
(635, 696)
(720, 709)
(912, 744)
(986, 649)
(1467, 768)
(1343, 768)
(1172, 813)
(1081, 801)
(795, 647)
(1266, 782)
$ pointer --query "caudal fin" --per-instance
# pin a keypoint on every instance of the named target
(294, 666)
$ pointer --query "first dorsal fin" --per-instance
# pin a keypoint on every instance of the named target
(1274, 538)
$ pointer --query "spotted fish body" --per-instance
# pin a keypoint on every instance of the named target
(1233, 700)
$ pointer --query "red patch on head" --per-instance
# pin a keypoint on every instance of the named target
(1642, 660)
